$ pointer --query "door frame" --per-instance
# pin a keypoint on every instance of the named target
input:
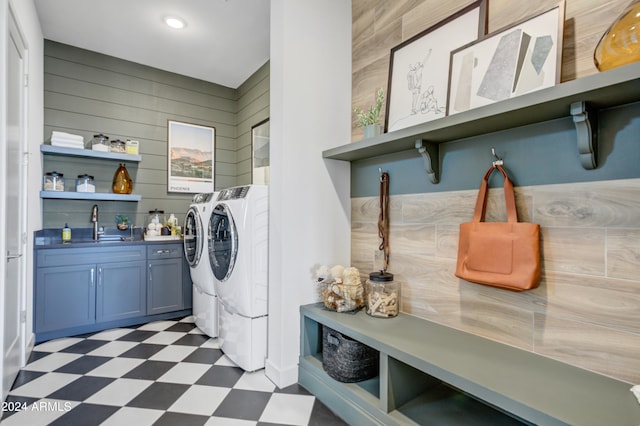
(10, 29)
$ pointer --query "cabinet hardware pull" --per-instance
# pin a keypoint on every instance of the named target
(92, 277)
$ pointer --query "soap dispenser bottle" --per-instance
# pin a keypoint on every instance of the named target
(66, 233)
(173, 224)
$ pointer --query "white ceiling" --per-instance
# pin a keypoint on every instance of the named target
(224, 42)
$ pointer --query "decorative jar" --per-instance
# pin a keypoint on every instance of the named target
(122, 183)
(100, 142)
(118, 146)
(620, 44)
(383, 295)
(85, 183)
(53, 181)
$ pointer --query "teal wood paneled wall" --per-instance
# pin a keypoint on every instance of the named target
(88, 93)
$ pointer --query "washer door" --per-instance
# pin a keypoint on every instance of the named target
(193, 237)
(223, 242)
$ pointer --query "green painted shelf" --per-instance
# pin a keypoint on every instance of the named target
(616, 87)
(433, 374)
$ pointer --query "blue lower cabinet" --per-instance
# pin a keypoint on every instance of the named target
(80, 290)
(121, 291)
(164, 286)
(65, 297)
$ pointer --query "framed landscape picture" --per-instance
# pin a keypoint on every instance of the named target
(190, 157)
(519, 59)
(419, 67)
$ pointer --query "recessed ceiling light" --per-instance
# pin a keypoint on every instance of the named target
(174, 22)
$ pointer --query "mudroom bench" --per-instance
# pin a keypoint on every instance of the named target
(434, 374)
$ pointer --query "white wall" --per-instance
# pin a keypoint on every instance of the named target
(309, 197)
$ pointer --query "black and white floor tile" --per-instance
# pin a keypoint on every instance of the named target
(161, 373)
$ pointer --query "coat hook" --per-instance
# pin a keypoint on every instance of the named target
(381, 172)
(498, 161)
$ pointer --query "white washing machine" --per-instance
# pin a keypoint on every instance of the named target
(238, 239)
(205, 305)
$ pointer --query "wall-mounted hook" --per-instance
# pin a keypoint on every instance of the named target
(381, 173)
(498, 161)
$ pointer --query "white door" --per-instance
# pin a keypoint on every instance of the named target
(14, 193)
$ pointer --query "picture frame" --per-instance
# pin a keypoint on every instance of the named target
(190, 157)
(419, 67)
(517, 59)
(260, 153)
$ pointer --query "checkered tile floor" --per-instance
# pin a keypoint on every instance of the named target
(161, 373)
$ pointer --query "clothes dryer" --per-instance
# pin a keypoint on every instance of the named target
(238, 239)
(205, 306)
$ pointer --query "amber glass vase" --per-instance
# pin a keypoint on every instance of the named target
(122, 183)
(620, 44)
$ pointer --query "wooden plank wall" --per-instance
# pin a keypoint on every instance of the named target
(379, 25)
(88, 93)
(586, 311)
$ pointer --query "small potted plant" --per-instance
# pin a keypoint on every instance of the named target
(122, 222)
(370, 119)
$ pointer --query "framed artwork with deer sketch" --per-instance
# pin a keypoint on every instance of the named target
(419, 67)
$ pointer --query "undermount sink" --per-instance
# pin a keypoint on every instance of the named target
(107, 238)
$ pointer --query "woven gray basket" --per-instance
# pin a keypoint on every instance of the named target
(347, 360)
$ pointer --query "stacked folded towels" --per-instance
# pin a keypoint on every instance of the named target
(67, 140)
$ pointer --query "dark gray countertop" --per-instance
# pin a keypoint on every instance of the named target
(83, 237)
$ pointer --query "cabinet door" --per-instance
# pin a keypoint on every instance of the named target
(164, 286)
(121, 290)
(65, 297)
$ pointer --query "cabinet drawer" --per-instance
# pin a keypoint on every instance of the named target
(75, 256)
(164, 251)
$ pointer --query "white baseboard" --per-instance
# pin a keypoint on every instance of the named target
(282, 377)
(30, 344)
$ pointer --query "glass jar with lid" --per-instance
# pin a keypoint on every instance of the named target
(100, 142)
(118, 146)
(85, 183)
(156, 223)
(383, 295)
(156, 216)
(53, 181)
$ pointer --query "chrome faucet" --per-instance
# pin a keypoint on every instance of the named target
(94, 220)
